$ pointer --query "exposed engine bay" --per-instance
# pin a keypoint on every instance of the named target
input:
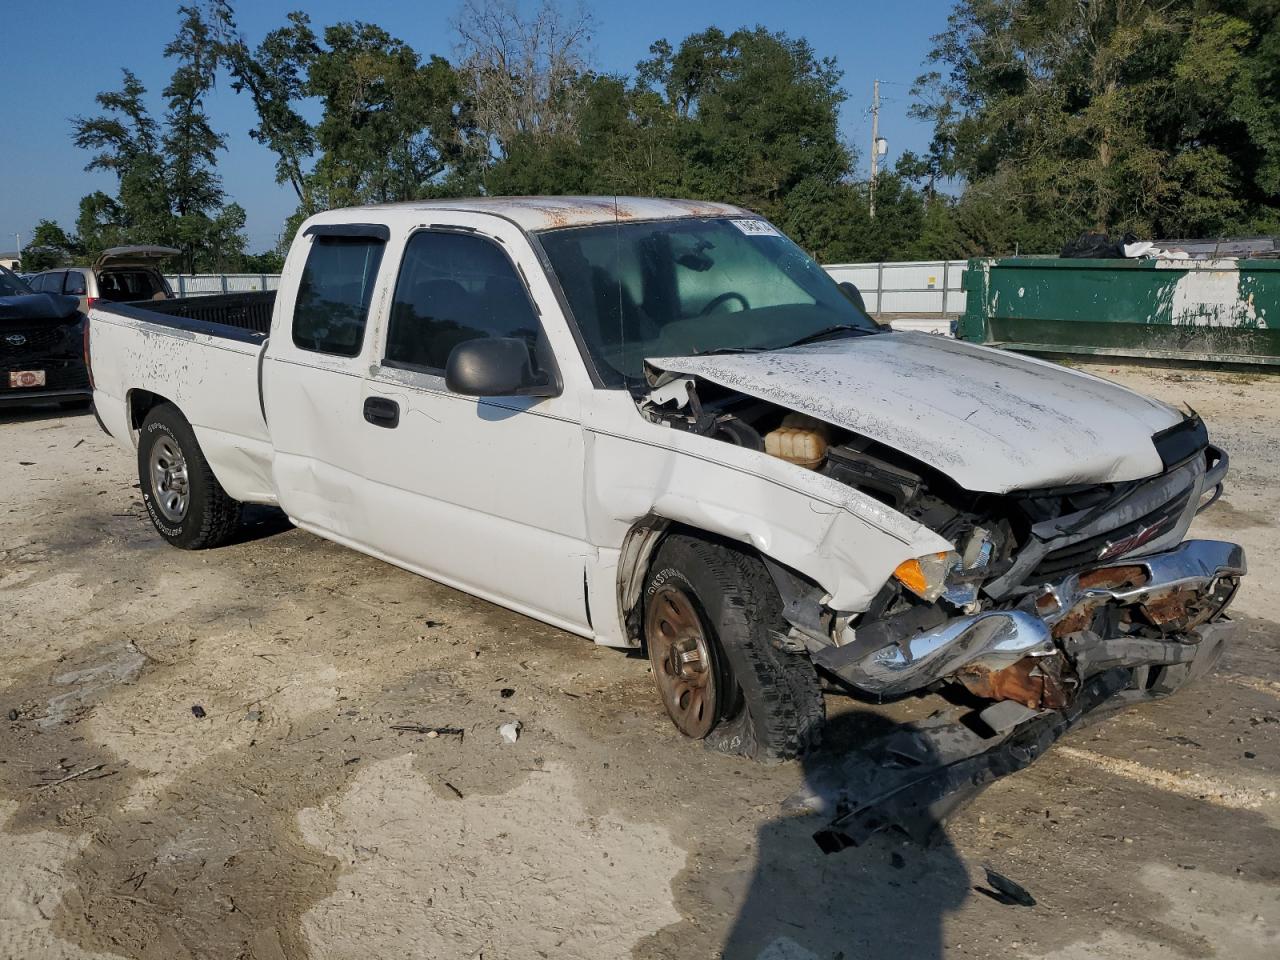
(1044, 589)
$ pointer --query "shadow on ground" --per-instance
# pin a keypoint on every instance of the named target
(885, 899)
(47, 411)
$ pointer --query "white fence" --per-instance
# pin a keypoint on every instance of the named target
(208, 284)
(926, 288)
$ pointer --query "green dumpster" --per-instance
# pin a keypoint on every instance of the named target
(1220, 311)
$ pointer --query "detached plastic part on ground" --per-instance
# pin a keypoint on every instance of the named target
(917, 776)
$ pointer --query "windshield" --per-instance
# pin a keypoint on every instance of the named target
(11, 285)
(679, 287)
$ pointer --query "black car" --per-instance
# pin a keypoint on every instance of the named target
(41, 346)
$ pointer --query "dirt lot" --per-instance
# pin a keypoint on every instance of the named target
(293, 819)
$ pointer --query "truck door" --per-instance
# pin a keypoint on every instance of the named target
(483, 494)
(312, 382)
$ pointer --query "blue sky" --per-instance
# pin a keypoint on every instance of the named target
(59, 53)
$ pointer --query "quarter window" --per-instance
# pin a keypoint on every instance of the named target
(334, 294)
(455, 287)
(75, 283)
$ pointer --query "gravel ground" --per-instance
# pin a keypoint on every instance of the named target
(217, 755)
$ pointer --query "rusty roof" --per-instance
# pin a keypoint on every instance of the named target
(547, 213)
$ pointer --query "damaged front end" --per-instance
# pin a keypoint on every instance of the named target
(1147, 613)
(1081, 616)
(1051, 604)
(1093, 642)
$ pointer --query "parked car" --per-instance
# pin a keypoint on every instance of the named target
(41, 346)
(119, 275)
(659, 424)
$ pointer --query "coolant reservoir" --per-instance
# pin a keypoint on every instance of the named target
(801, 440)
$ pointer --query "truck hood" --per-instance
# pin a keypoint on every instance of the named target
(992, 421)
(38, 306)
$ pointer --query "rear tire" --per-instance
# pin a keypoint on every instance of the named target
(758, 697)
(186, 503)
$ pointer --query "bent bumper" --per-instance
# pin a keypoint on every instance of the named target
(1136, 612)
(917, 776)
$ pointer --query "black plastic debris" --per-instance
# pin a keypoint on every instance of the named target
(917, 776)
(197, 711)
(506, 693)
(1006, 891)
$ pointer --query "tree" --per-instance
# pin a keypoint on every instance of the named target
(190, 144)
(127, 142)
(168, 189)
(101, 223)
(391, 124)
(274, 75)
(522, 73)
(1156, 116)
(756, 116)
(50, 247)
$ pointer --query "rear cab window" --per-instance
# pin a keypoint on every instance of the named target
(334, 293)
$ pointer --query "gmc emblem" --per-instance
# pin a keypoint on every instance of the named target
(1132, 542)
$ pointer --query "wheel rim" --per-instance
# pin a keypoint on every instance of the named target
(169, 483)
(681, 655)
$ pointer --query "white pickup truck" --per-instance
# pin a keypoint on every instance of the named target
(659, 424)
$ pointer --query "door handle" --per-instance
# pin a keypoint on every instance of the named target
(382, 412)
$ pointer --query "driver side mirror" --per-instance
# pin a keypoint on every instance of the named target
(854, 296)
(496, 367)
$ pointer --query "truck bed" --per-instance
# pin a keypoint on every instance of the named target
(230, 315)
(202, 355)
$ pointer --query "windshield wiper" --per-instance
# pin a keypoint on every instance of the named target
(713, 351)
(826, 332)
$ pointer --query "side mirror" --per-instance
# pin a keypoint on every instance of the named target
(854, 296)
(496, 367)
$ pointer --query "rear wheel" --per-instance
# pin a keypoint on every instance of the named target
(187, 505)
(716, 639)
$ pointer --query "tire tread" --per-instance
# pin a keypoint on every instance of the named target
(218, 512)
(783, 712)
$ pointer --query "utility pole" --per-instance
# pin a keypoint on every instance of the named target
(875, 141)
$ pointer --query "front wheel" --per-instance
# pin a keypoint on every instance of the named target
(186, 502)
(714, 630)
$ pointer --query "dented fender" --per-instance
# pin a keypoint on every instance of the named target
(639, 475)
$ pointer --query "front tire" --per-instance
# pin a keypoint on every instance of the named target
(714, 630)
(187, 505)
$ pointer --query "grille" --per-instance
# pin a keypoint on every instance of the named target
(39, 340)
(1084, 553)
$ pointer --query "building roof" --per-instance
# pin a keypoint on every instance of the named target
(546, 213)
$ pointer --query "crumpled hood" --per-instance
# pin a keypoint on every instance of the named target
(992, 421)
(38, 306)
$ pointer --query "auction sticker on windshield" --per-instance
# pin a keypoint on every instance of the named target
(756, 228)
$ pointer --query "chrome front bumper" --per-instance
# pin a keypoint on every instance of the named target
(1179, 583)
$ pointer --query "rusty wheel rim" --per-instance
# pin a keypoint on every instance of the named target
(681, 656)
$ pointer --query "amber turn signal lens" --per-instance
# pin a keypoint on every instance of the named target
(925, 576)
(911, 576)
